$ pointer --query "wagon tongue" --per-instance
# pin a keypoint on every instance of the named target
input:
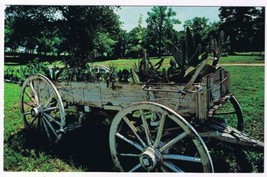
(222, 132)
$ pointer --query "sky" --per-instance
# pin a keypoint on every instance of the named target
(129, 15)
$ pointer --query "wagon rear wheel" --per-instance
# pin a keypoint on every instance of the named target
(232, 113)
(151, 137)
(42, 108)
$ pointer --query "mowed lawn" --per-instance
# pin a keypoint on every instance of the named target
(247, 85)
(129, 63)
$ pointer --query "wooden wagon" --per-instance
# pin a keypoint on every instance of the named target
(158, 126)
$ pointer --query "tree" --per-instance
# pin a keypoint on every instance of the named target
(160, 25)
(10, 41)
(237, 23)
(259, 29)
(25, 24)
(200, 28)
(81, 31)
(103, 45)
(120, 46)
(84, 25)
(136, 40)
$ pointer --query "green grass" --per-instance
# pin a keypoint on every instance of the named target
(11, 109)
(16, 156)
(247, 86)
(240, 59)
(129, 63)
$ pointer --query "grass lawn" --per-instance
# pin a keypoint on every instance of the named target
(247, 86)
(129, 63)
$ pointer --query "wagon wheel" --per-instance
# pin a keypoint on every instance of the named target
(42, 108)
(231, 112)
(148, 136)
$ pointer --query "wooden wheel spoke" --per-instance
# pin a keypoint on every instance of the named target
(50, 126)
(134, 130)
(51, 118)
(136, 145)
(128, 155)
(154, 116)
(145, 125)
(172, 142)
(33, 120)
(38, 126)
(172, 167)
(160, 130)
(26, 113)
(31, 97)
(224, 113)
(163, 169)
(50, 109)
(34, 93)
(28, 104)
(46, 130)
(182, 158)
(48, 101)
(135, 168)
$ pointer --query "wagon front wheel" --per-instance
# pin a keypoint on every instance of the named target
(150, 137)
(42, 108)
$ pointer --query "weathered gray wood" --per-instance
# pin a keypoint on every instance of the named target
(222, 132)
(122, 94)
(202, 105)
(168, 95)
(218, 85)
(194, 103)
(80, 93)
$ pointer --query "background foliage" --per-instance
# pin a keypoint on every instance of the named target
(84, 33)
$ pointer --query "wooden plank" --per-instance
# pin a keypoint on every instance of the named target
(168, 95)
(80, 93)
(122, 94)
(225, 84)
(214, 86)
(202, 105)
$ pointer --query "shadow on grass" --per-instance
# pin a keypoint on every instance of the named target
(86, 148)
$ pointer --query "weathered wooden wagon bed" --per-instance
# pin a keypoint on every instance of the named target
(158, 127)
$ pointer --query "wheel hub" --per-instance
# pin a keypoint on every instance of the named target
(37, 111)
(150, 158)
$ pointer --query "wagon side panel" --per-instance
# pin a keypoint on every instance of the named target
(80, 93)
(218, 85)
(170, 96)
(122, 94)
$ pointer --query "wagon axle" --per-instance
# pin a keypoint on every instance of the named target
(37, 111)
(150, 158)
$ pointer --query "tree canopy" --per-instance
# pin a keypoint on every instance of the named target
(90, 32)
(160, 26)
(81, 31)
(241, 25)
